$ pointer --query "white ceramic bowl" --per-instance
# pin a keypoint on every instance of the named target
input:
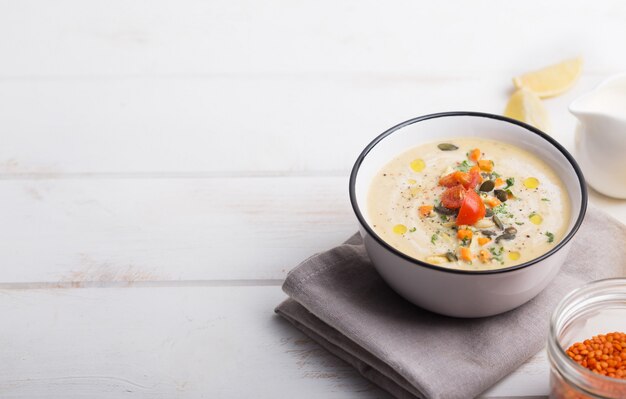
(463, 293)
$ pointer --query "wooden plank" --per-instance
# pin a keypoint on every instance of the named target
(531, 380)
(291, 125)
(147, 38)
(174, 342)
(139, 229)
(75, 230)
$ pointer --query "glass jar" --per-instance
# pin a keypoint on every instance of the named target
(596, 308)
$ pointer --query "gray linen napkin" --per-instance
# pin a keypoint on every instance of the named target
(338, 299)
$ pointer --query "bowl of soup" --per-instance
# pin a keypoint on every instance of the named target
(467, 214)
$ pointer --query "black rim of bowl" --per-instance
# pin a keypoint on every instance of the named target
(531, 129)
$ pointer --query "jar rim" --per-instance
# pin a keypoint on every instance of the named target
(561, 361)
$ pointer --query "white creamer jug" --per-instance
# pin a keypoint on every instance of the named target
(601, 136)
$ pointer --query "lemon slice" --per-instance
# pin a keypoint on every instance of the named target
(551, 81)
(525, 106)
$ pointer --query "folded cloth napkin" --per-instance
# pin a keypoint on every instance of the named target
(338, 299)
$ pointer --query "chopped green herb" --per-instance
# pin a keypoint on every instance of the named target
(434, 238)
(546, 199)
(519, 223)
(443, 218)
(509, 182)
(464, 166)
(550, 236)
(412, 229)
(497, 253)
(465, 242)
(500, 208)
(494, 174)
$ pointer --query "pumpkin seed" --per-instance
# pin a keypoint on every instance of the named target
(488, 213)
(487, 186)
(447, 147)
(501, 195)
(505, 236)
(442, 210)
(451, 256)
(498, 222)
(488, 233)
(510, 230)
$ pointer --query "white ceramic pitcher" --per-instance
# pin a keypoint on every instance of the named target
(601, 136)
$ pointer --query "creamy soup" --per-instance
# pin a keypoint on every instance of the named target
(469, 203)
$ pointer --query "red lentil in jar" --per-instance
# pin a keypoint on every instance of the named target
(602, 354)
(595, 367)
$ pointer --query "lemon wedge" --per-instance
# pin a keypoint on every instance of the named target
(525, 106)
(552, 80)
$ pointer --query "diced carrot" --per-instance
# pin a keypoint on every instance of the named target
(499, 182)
(486, 165)
(492, 202)
(425, 210)
(466, 254)
(484, 256)
(462, 234)
(474, 155)
(483, 240)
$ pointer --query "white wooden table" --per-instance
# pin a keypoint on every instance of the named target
(164, 164)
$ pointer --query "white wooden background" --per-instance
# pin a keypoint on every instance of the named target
(163, 164)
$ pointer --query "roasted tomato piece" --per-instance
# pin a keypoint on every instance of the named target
(474, 178)
(472, 209)
(468, 180)
(453, 197)
(451, 179)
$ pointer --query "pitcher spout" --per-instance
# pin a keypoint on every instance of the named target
(583, 111)
(601, 136)
(606, 103)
